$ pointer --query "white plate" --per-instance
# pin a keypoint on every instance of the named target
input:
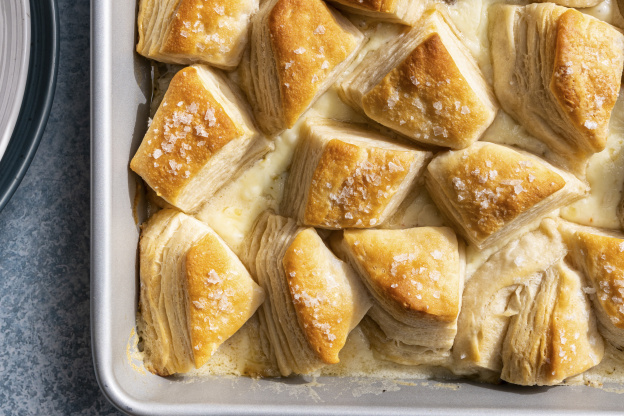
(14, 57)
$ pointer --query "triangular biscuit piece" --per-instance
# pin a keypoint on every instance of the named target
(201, 136)
(490, 192)
(424, 85)
(298, 49)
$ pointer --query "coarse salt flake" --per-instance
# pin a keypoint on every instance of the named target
(591, 125)
(210, 116)
(458, 184)
(213, 277)
(394, 99)
(392, 167)
(174, 166)
(192, 108)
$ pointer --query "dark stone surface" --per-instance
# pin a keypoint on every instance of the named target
(45, 343)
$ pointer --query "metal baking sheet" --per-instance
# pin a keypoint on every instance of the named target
(120, 97)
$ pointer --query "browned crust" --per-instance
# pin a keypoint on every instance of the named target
(304, 36)
(585, 79)
(352, 185)
(417, 269)
(324, 313)
(193, 20)
(182, 154)
(220, 297)
(604, 259)
(567, 355)
(491, 185)
(427, 93)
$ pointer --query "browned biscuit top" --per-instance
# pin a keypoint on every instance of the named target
(308, 43)
(427, 97)
(587, 74)
(188, 128)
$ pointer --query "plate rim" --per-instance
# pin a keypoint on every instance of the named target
(38, 97)
(24, 61)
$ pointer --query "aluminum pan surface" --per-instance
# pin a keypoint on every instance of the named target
(120, 93)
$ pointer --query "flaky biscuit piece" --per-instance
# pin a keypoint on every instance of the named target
(492, 192)
(425, 85)
(599, 255)
(558, 73)
(194, 31)
(416, 277)
(195, 293)
(343, 176)
(385, 347)
(525, 317)
(496, 292)
(298, 49)
(201, 136)
(313, 299)
(554, 335)
(396, 11)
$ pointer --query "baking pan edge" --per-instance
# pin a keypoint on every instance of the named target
(103, 286)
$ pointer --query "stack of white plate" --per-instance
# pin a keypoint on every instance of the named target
(14, 56)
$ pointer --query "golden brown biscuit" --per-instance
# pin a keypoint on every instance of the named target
(298, 49)
(221, 295)
(416, 277)
(557, 72)
(344, 176)
(201, 136)
(424, 85)
(195, 293)
(491, 192)
(190, 31)
(313, 299)
(599, 255)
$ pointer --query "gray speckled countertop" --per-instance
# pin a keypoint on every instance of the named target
(45, 343)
